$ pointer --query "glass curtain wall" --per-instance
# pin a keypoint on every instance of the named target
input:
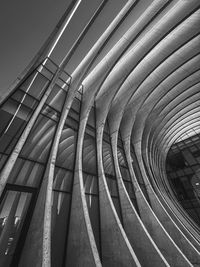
(19, 196)
(183, 172)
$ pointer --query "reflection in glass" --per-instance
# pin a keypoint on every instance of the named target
(12, 214)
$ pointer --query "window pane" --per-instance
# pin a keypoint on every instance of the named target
(13, 210)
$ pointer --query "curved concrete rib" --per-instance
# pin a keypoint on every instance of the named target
(191, 253)
(113, 238)
(113, 235)
(153, 38)
(194, 110)
(119, 107)
(190, 230)
(160, 236)
(139, 238)
(131, 109)
(102, 70)
(180, 219)
(76, 80)
(179, 238)
(149, 104)
(77, 77)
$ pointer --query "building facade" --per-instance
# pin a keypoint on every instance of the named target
(83, 156)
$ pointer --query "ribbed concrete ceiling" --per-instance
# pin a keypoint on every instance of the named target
(151, 92)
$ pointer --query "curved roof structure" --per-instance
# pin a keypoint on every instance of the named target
(83, 177)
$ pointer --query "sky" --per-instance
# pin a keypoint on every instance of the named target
(26, 24)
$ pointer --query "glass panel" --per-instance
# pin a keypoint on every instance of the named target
(117, 207)
(129, 189)
(72, 123)
(89, 154)
(13, 123)
(35, 85)
(50, 113)
(13, 210)
(93, 208)
(90, 131)
(56, 98)
(121, 157)
(39, 141)
(107, 159)
(76, 105)
(26, 100)
(66, 149)
(63, 180)
(16, 111)
(182, 166)
(112, 186)
(90, 184)
(26, 173)
(74, 115)
(125, 174)
(91, 119)
(60, 221)
(3, 159)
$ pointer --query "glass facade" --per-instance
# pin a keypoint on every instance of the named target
(183, 166)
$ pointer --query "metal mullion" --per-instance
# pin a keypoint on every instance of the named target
(62, 191)
(92, 194)
(20, 188)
